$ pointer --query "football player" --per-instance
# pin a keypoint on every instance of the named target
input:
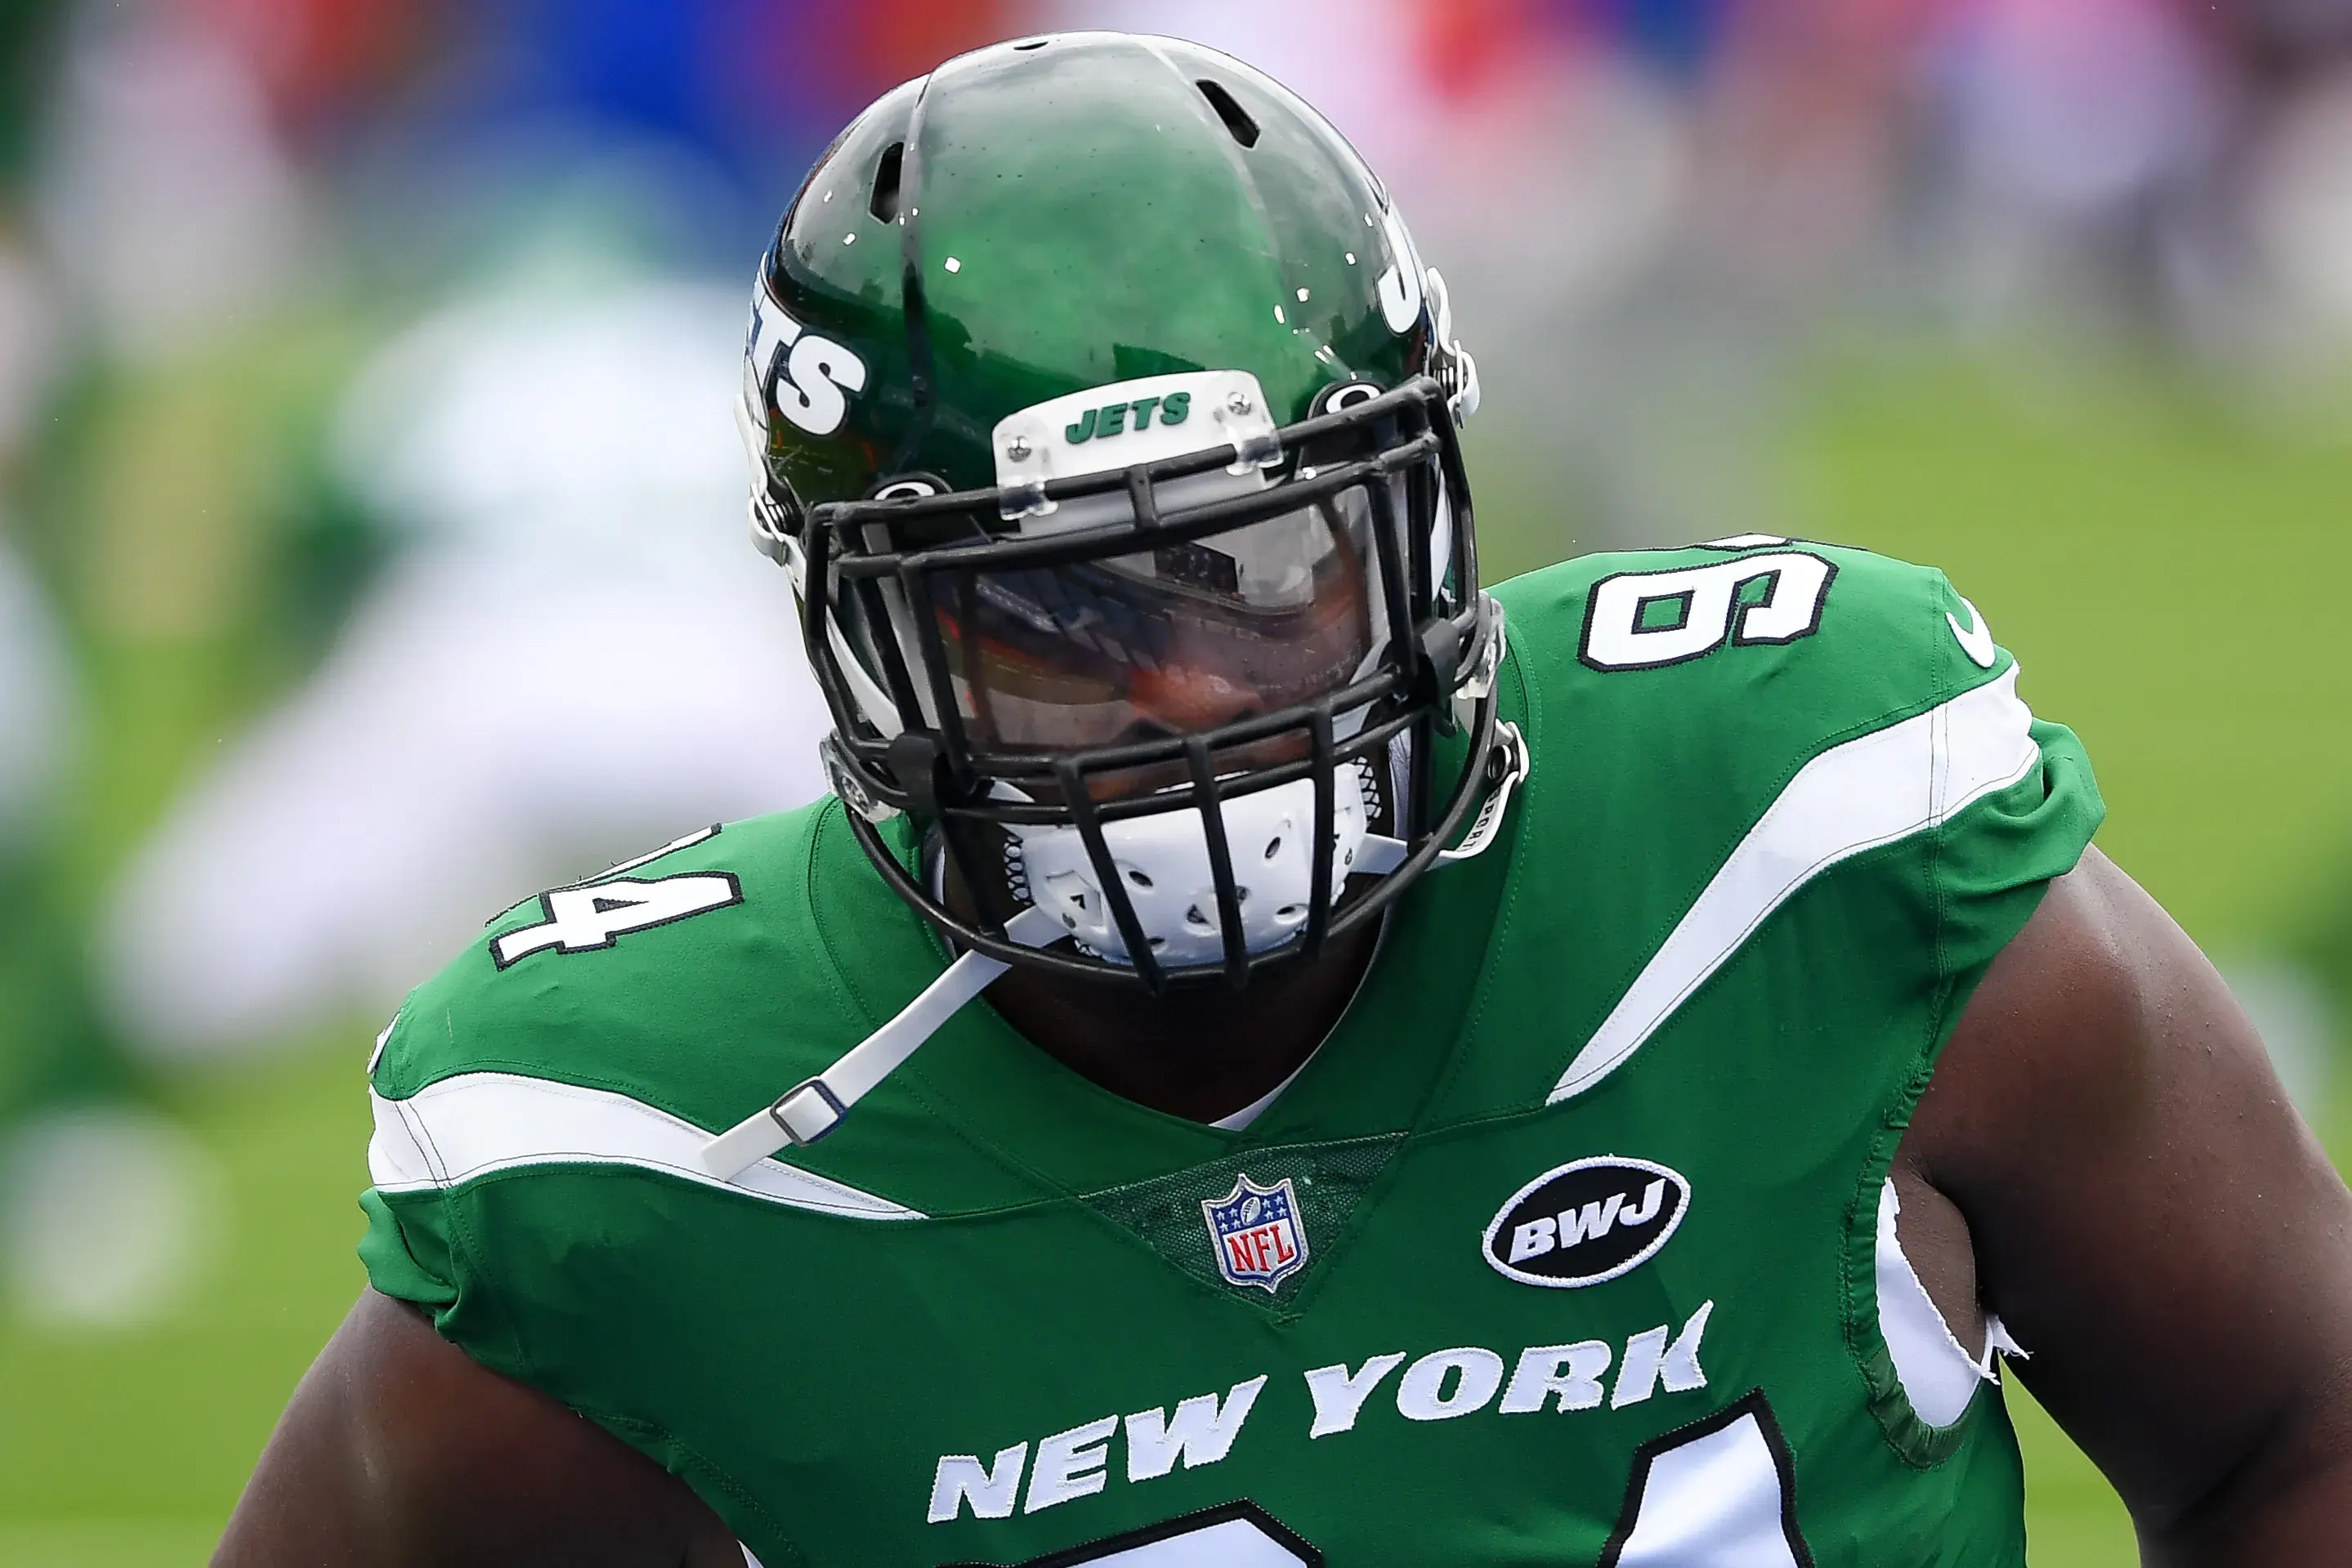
(1596, 1071)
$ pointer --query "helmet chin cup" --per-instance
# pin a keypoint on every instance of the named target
(1169, 879)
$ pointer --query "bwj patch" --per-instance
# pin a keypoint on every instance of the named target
(1256, 1233)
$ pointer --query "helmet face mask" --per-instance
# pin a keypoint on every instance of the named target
(1158, 677)
(1038, 668)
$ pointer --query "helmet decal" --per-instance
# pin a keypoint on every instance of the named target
(1400, 284)
(805, 376)
(1133, 422)
(1111, 419)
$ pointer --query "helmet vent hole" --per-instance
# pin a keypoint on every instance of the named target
(1236, 117)
(1138, 878)
(1274, 847)
(885, 202)
(1024, 47)
(1193, 917)
(1290, 912)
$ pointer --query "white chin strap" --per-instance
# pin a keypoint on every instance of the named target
(1164, 862)
(1266, 833)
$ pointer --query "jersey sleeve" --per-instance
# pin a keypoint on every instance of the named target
(2021, 804)
(1996, 858)
(568, 1048)
(418, 1248)
(407, 1262)
(1777, 759)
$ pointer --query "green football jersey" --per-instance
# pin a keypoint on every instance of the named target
(1563, 1250)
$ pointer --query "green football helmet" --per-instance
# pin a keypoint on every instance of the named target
(1105, 417)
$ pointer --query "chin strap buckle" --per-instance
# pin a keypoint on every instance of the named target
(807, 1112)
(847, 783)
(1508, 765)
(773, 534)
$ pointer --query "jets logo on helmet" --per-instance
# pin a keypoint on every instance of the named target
(805, 376)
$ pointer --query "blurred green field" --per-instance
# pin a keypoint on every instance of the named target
(2171, 573)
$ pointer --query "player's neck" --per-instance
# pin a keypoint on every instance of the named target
(1201, 1054)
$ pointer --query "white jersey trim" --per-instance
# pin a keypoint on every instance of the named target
(1869, 791)
(1938, 1375)
(479, 1122)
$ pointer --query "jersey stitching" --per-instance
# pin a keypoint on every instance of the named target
(908, 1080)
(1335, 1247)
(489, 1291)
(724, 1479)
(1690, 890)
(836, 976)
(1752, 1404)
(622, 1169)
(836, 980)
(1523, 1111)
(536, 1069)
(1485, 994)
(944, 1112)
(1280, 1311)
(1938, 899)
(586, 1094)
(1914, 1441)
(593, 1164)
(461, 1235)
(1430, 1134)
(1632, 971)
(462, 1239)
(435, 1161)
(1456, 1052)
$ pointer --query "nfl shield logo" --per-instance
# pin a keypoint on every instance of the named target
(1256, 1233)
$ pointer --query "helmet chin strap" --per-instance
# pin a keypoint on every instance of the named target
(813, 1108)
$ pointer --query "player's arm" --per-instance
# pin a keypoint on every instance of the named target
(2157, 1226)
(399, 1450)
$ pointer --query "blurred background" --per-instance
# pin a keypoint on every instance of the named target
(372, 555)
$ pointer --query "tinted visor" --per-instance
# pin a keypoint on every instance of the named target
(1171, 641)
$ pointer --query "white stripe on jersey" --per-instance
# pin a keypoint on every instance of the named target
(478, 1123)
(1871, 791)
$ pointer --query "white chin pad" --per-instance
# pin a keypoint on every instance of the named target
(1163, 859)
